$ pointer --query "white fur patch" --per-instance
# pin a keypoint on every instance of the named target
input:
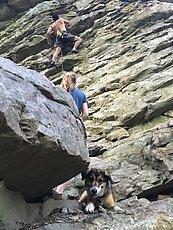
(119, 210)
(90, 207)
(101, 191)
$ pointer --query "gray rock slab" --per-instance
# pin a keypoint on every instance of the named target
(42, 140)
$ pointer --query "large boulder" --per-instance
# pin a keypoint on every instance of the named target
(42, 140)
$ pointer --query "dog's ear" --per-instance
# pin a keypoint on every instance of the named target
(84, 174)
(108, 176)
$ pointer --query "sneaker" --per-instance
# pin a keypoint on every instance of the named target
(74, 51)
(52, 64)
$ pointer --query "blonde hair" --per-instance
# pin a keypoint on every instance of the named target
(68, 80)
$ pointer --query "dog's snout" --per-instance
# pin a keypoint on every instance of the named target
(94, 190)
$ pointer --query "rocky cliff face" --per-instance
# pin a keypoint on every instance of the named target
(125, 67)
(11, 8)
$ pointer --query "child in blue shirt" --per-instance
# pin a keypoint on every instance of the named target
(69, 84)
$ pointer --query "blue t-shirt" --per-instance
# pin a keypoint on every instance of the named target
(79, 98)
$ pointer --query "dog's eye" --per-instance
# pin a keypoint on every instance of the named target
(91, 178)
(101, 180)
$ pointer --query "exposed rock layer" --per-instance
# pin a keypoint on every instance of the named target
(125, 67)
(10, 8)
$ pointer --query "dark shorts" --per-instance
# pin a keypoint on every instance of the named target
(64, 39)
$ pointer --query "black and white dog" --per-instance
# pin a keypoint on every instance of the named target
(98, 190)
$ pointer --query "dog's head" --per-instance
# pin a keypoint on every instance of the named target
(97, 182)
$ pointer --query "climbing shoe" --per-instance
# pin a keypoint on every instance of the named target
(52, 64)
(73, 51)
